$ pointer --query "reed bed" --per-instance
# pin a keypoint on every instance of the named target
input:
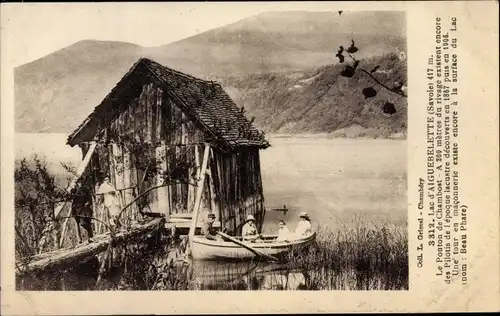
(357, 258)
(363, 257)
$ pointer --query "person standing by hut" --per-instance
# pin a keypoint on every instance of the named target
(81, 209)
(111, 202)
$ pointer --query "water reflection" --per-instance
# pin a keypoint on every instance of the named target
(246, 276)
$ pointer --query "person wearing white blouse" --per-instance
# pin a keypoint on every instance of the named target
(304, 225)
(283, 232)
(111, 201)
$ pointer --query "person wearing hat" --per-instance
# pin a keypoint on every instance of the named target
(207, 229)
(249, 230)
(304, 226)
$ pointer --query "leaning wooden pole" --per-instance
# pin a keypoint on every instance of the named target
(79, 172)
(251, 249)
(199, 193)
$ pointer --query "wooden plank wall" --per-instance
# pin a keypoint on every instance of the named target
(152, 118)
(238, 183)
(233, 188)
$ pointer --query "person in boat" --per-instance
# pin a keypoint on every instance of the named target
(304, 226)
(111, 202)
(283, 231)
(249, 231)
(207, 229)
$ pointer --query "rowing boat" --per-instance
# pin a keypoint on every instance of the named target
(205, 249)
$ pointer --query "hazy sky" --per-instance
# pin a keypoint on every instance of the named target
(35, 30)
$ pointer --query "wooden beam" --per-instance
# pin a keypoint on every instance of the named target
(198, 167)
(213, 204)
(197, 161)
(117, 157)
(162, 203)
(127, 194)
(69, 257)
(199, 193)
(192, 177)
(149, 111)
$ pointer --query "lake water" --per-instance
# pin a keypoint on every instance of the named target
(334, 180)
(49, 145)
(331, 179)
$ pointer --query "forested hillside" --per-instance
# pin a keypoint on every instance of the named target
(323, 101)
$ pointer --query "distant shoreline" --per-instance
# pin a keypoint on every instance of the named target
(339, 134)
(334, 136)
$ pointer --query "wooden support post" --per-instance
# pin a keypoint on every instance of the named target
(162, 196)
(178, 184)
(197, 161)
(199, 193)
(192, 177)
(117, 158)
(213, 204)
(127, 194)
(150, 93)
(198, 167)
(224, 211)
(190, 193)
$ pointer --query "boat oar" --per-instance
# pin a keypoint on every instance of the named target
(254, 251)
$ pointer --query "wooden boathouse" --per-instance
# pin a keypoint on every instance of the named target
(183, 136)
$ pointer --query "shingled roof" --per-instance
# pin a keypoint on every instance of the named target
(205, 101)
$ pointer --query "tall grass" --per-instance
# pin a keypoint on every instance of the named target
(359, 258)
(364, 257)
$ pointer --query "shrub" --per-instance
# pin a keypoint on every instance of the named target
(36, 195)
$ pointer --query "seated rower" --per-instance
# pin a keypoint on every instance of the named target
(283, 231)
(207, 229)
(249, 230)
(304, 226)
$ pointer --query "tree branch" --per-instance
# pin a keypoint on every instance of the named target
(383, 85)
(401, 93)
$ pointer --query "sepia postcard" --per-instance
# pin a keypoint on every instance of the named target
(249, 157)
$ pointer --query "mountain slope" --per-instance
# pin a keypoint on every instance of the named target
(56, 92)
(323, 101)
(282, 41)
